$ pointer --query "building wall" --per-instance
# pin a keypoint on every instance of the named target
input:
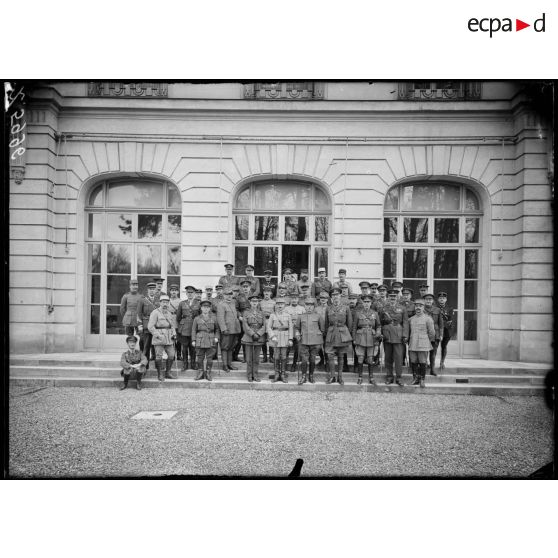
(356, 148)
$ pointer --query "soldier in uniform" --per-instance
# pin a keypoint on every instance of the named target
(405, 300)
(174, 302)
(198, 295)
(366, 331)
(345, 294)
(161, 326)
(393, 318)
(397, 285)
(129, 308)
(254, 326)
(159, 290)
(374, 292)
(434, 312)
(132, 360)
(290, 282)
(205, 337)
(419, 331)
(320, 284)
(267, 307)
(323, 303)
(423, 290)
(303, 281)
(229, 325)
(280, 337)
(353, 299)
(309, 331)
(282, 293)
(304, 293)
(187, 310)
(146, 305)
(208, 293)
(254, 281)
(242, 304)
(447, 317)
(378, 303)
(267, 281)
(294, 309)
(228, 280)
(364, 291)
(343, 281)
(339, 322)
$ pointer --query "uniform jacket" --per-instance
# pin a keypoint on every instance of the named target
(393, 318)
(419, 330)
(292, 287)
(227, 317)
(215, 301)
(157, 297)
(161, 326)
(145, 307)
(174, 303)
(227, 281)
(311, 328)
(318, 286)
(436, 315)
(129, 309)
(447, 316)
(409, 306)
(133, 357)
(185, 315)
(378, 304)
(270, 283)
(339, 322)
(242, 303)
(366, 326)
(294, 311)
(339, 284)
(255, 288)
(280, 326)
(205, 330)
(267, 306)
(299, 284)
(253, 323)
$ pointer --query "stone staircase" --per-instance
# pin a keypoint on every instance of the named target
(460, 377)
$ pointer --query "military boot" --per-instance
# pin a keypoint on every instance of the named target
(255, 367)
(345, 364)
(168, 371)
(422, 372)
(184, 357)
(208, 375)
(199, 368)
(284, 375)
(371, 375)
(359, 370)
(276, 368)
(302, 380)
(138, 380)
(225, 362)
(311, 368)
(330, 370)
(340, 367)
(230, 360)
(416, 376)
(125, 384)
(193, 358)
(159, 368)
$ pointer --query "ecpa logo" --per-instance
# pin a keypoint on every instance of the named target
(494, 24)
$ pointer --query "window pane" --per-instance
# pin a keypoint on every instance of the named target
(94, 288)
(449, 287)
(471, 201)
(296, 229)
(390, 229)
(142, 194)
(283, 196)
(119, 226)
(415, 229)
(413, 284)
(446, 230)
(117, 287)
(295, 257)
(471, 301)
(392, 199)
(243, 199)
(267, 228)
(173, 260)
(174, 197)
(150, 226)
(96, 197)
(95, 229)
(320, 259)
(94, 258)
(390, 262)
(114, 321)
(431, 197)
(321, 201)
(470, 326)
(174, 227)
(414, 263)
(445, 264)
(94, 321)
(266, 257)
(119, 258)
(240, 259)
(471, 264)
(241, 225)
(322, 229)
(143, 280)
(149, 258)
(471, 230)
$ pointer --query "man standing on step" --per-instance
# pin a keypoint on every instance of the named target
(419, 330)
(343, 281)
(161, 326)
(242, 304)
(228, 280)
(405, 300)
(280, 337)
(205, 336)
(229, 325)
(254, 326)
(294, 309)
(447, 317)
(254, 281)
(187, 310)
(132, 360)
(434, 312)
(267, 306)
(321, 284)
(367, 330)
(393, 318)
(309, 331)
(129, 308)
(338, 322)
(267, 281)
(174, 303)
(146, 305)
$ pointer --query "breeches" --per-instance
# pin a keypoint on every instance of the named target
(204, 353)
(418, 356)
(364, 353)
(339, 350)
(308, 352)
(280, 353)
(228, 341)
(160, 349)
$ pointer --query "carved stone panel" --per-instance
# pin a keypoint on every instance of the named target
(126, 89)
(440, 91)
(284, 91)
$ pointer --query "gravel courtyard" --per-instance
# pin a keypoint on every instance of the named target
(81, 432)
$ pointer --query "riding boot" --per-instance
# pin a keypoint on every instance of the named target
(340, 368)
(264, 353)
(276, 368)
(303, 367)
(230, 359)
(442, 365)
(184, 357)
(345, 363)
(159, 368)
(371, 374)
(416, 376)
(422, 372)
(311, 368)
(359, 370)
(322, 357)
(284, 374)
(330, 371)
(169, 369)
(193, 361)
(138, 380)
(225, 359)
(125, 384)
(209, 365)
(199, 368)
(256, 365)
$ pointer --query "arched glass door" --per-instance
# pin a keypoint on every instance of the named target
(133, 229)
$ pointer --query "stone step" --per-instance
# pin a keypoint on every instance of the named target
(472, 377)
(494, 389)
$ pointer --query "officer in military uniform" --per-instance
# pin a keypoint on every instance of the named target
(309, 331)
(423, 290)
(353, 299)
(268, 282)
(159, 290)
(405, 300)
(343, 281)
(339, 322)
(434, 312)
(161, 326)
(267, 306)
(398, 286)
(378, 303)
(321, 308)
(218, 298)
(187, 310)
(229, 325)
(290, 282)
(132, 360)
(129, 308)
(321, 284)
(393, 318)
(304, 293)
(280, 337)
(205, 336)
(146, 305)
(254, 326)
(303, 281)
(254, 281)
(242, 304)
(366, 331)
(364, 291)
(282, 293)
(447, 317)
(419, 331)
(294, 309)
(228, 280)
(174, 303)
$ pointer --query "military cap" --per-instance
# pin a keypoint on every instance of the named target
(245, 282)
(280, 300)
(219, 286)
(364, 284)
(323, 294)
(343, 271)
(266, 288)
(310, 301)
(344, 286)
(235, 288)
(335, 291)
(282, 285)
(249, 267)
(396, 284)
(159, 280)
(208, 287)
(353, 295)
(428, 295)
(205, 303)
(254, 296)
(419, 301)
(366, 297)
(287, 270)
(407, 290)
(199, 291)
(190, 288)
(131, 338)
(229, 266)
(151, 285)
(294, 295)
(303, 272)
(268, 272)
(373, 285)
(442, 293)
(382, 288)
(304, 286)
(320, 269)
(174, 286)
(424, 286)
(228, 290)
(133, 281)
(164, 297)
(393, 292)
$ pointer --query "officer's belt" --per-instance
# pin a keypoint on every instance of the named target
(281, 328)
(364, 327)
(163, 327)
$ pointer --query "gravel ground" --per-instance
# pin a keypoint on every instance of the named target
(88, 432)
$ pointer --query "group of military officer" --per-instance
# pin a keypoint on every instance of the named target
(307, 318)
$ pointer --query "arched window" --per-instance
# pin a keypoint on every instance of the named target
(133, 229)
(432, 235)
(279, 224)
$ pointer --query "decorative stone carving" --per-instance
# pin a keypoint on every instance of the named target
(284, 91)
(440, 91)
(126, 89)
(18, 173)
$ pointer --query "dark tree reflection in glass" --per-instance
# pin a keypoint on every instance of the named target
(150, 226)
(267, 228)
(296, 229)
